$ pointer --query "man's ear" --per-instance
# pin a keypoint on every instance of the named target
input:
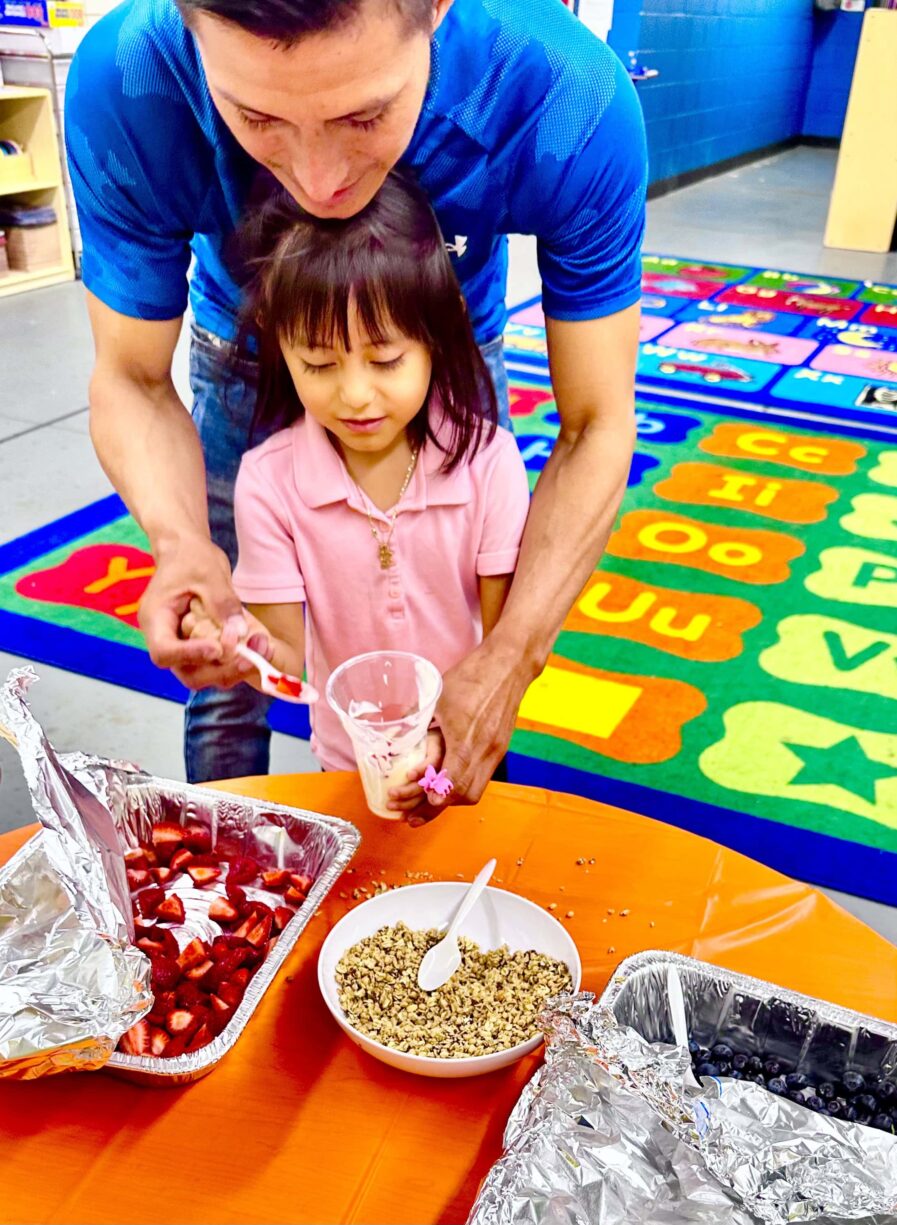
(440, 8)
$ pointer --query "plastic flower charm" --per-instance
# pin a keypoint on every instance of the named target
(437, 782)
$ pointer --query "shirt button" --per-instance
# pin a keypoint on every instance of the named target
(394, 592)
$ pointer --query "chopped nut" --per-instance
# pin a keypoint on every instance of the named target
(652, 924)
(490, 1004)
(610, 910)
(342, 894)
(519, 863)
(611, 949)
(552, 905)
(561, 889)
(592, 860)
(624, 913)
(569, 914)
(580, 862)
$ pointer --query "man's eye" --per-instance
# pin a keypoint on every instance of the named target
(365, 125)
(252, 121)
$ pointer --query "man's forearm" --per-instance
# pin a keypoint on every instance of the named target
(572, 513)
(148, 446)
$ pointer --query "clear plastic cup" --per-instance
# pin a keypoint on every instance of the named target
(385, 700)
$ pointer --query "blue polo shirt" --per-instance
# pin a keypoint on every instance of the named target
(530, 125)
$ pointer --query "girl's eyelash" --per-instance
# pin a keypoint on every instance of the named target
(311, 369)
(392, 363)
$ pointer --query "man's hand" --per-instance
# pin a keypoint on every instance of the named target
(190, 569)
(477, 713)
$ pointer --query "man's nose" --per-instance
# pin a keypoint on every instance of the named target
(318, 169)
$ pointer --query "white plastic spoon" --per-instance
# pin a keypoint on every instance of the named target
(278, 684)
(443, 959)
(677, 1006)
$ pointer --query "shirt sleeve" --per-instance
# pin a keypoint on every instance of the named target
(268, 570)
(507, 506)
(582, 180)
(136, 156)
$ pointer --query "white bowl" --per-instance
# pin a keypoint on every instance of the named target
(498, 918)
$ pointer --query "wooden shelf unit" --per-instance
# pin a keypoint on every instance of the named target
(26, 116)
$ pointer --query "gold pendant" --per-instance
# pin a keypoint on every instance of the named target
(385, 556)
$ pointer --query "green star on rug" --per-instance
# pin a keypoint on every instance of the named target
(844, 765)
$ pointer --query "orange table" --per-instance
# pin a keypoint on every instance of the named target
(298, 1125)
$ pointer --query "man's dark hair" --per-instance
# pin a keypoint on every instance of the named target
(303, 274)
(286, 21)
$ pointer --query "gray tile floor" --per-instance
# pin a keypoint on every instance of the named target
(772, 212)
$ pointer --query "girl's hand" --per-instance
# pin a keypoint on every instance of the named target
(197, 624)
(409, 797)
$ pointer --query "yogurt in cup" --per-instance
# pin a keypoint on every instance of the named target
(385, 701)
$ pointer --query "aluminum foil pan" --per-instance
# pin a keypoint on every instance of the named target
(616, 1129)
(92, 811)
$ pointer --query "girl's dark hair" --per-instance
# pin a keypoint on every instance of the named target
(286, 21)
(301, 273)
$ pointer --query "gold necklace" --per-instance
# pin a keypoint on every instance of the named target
(384, 545)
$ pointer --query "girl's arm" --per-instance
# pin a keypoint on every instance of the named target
(494, 590)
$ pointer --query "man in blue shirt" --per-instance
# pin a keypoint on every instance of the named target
(514, 118)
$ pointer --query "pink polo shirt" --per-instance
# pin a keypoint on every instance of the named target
(304, 536)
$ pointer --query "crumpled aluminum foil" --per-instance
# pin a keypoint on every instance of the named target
(615, 1129)
(71, 983)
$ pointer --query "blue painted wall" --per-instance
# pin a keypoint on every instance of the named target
(836, 38)
(735, 75)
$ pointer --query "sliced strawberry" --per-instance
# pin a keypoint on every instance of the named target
(152, 948)
(293, 895)
(162, 875)
(163, 1002)
(197, 973)
(171, 910)
(221, 1014)
(138, 878)
(300, 882)
(148, 899)
(189, 995)
(201, 1038)
(222, 910)
(245, 927)
(270, 947)
(167, 833)
(236, 894)
(202, 875)
(276, 880)
(137, 1040)
(166, 974)
(229, 993)
(197, 837)
(260, 910)
(169, 944)
(258, 937)
(192, 955)
(136, 858)
(145, 927)
(180, 859)
(184, 1021)
(222, 946)
(241, 979)
(149, 855)
(176, 1047)
(289, 686)
(282, 916)
(243, 871)
(159, 1041)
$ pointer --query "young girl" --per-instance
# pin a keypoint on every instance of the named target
(387, 511)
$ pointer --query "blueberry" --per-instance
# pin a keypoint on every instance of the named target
(759, 1080)
(866, 1103)
(835, 1108)
(883, 1122)
(777, 1085)
(814, 1103)
(796, 1080)
(772, 1068)
(722, 1051)
(707, 1069)
(724, 1067)
(863, 1116)
(736, 1075)
(755, 1065)
(849, 1113)
(693, 1047)
(826, 1091)
(853, 1082)
(887, 1093)
(740, 1062)
(796, 1096)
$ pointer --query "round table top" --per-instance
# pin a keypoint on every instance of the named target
(298, 1125)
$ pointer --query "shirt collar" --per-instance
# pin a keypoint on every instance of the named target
(322, 478)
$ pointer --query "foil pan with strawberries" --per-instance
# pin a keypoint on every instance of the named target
(140, 927)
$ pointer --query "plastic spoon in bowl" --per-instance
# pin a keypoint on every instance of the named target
(677, 1006)
(278, 684)
(443, 959)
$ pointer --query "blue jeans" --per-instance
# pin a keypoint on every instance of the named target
(226, 732)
